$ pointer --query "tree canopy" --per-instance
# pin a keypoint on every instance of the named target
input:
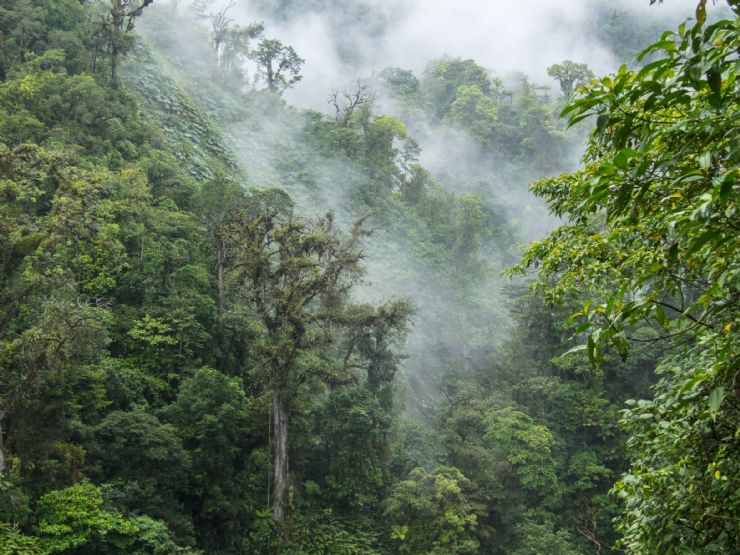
(652, 237)
(232, 325)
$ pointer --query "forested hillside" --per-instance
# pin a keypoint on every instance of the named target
(237, 317)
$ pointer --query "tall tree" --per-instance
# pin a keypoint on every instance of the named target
(296, 274)
(220, 25)
(570, 76)
(117, 22)
(279, 65)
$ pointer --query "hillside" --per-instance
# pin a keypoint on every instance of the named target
(256, 303)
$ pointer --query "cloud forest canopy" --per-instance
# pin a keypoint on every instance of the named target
(232, 325)
(652, 239)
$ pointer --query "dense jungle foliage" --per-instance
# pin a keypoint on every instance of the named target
(230, 326)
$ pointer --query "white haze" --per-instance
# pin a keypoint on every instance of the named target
(339, 48)
(501, 35)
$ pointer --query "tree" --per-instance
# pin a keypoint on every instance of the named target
(384, 160)
(116, 25)
(526, 447)
(371, 335)
(75, 520)
(402, 83)
(212, 415)
(474, 111)
(220, 25)
(536, 536)
(30, 27)
(60, 261)
(64, 333)
(216, 202)
(570, 76)
(231, 42)
(144, 462)
(236, 46)
(430, 512)
(353, 424)
(652, 237)
(199, 7)
(350, 101)
(442, 79)
(279, 65)
(296, 275)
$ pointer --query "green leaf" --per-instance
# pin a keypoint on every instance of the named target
(695, 73)
(661, 317)
(665, 44)
(623, 157)
(725, 187)
(714, 78)
(701, 12)
(705, 159)
(702, 240)
(601, 122)
(576, 349)
(715, 401)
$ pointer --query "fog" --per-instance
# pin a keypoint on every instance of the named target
(509, 39)
(502, 35)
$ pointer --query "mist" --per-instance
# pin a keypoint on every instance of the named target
(525, 36)
(340, 276)
(511, 41)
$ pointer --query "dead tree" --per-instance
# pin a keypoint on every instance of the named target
(348, 101)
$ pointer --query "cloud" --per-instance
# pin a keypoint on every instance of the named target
(365, 36)
(340, 45)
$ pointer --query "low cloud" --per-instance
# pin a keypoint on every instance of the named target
(502, 35)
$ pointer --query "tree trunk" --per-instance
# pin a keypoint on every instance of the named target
(117, 19)
(220, 275)
(114, 68)
(270, 77)
(280, 439)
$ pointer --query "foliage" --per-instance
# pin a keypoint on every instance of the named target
(213, 418)
(430, 513)
(652, 236)
(296, 275)
(355, 425)
(443, 78)
(165, 323)
(570, 76)
(536, 535)
(142, 464)
(74, 519)
(314, 534)
(526, 447)
(116, 21)
(13, 542)
(512, 122)
(279, 65)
